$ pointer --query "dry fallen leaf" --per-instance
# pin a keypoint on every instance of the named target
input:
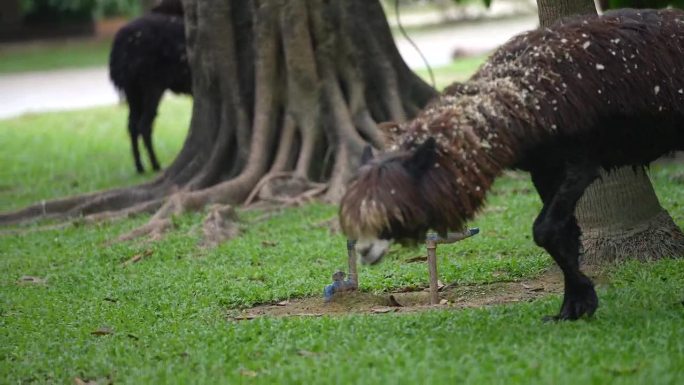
(244, 317)
(306, 353)
(384, 309)
(532, 288)
(102, 381)
(269, 243)
(248, 373)
(103, 331)
(79, 381)
(419, 258)
(283, 303)
(28, 279)
(137, 257)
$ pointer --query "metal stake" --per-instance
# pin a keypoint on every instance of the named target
(431, 242)
(351, 253)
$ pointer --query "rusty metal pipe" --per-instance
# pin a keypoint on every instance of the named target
(431, 242)
(351, 254)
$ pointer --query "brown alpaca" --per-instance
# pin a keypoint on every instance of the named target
(561, 103)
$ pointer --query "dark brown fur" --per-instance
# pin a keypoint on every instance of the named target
(527, 101)
(587, 93)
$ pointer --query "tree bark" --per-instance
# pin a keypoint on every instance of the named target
(619, 214)
(287, 93)
(552, 10)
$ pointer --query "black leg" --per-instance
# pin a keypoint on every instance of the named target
(151, 102)
(134, 114)
(556, 230)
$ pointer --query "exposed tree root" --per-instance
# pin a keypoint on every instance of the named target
(154, 229)
(266, 179)
(87, 204)
(106, 216)
(220, 224)
(621, 218)
(298, 200)
(290, 192)
(161, 221)
(656, 238)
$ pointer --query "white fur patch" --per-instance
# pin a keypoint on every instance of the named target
(371, 251)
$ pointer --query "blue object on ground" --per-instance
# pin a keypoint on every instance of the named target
(339, 284)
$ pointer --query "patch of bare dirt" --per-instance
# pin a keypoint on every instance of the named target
(452, 296)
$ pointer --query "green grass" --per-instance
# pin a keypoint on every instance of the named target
(58, 154)
(458, 70)
(169, 313)
(42, 56)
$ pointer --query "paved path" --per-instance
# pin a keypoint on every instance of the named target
(473, 37)
(55, 90)
(80, 88)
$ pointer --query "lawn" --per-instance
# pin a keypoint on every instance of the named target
(40, 56)
(80, 151)
(169, 317)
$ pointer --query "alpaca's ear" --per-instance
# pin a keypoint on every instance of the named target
(423, 158)
(367, 155)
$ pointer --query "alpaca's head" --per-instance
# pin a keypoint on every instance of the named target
(385, 202)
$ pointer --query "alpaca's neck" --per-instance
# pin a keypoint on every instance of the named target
(478, 131)
(479, 126)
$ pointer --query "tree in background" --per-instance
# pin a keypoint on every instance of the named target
(287, 93)
(77, 10)
(57, 11)
(613, 4)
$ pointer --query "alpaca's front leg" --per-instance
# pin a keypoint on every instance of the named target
(556, 230)
(561, 239)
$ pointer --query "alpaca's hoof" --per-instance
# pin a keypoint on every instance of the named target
(575, 306)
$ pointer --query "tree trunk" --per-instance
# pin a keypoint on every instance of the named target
(287, 93)
(552, 10)
(620, 215)
(148, 4)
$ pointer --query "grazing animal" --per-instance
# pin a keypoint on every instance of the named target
(148, 57)
(560, 103)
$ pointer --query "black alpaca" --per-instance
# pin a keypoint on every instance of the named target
(148, 57)
(561, 103)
